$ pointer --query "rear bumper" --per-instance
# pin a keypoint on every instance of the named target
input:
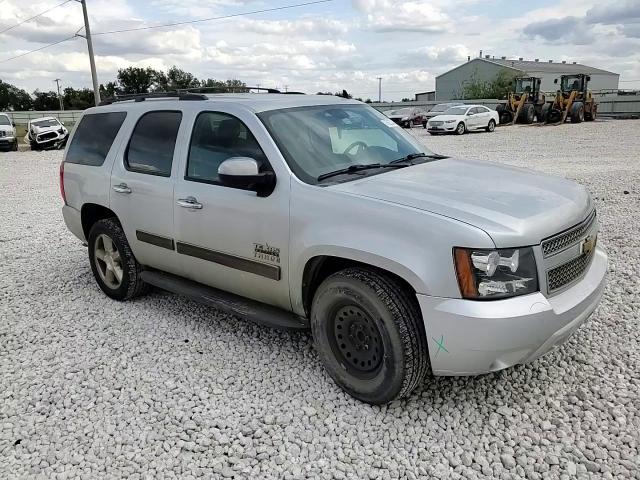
(470, 337)
(73, 220)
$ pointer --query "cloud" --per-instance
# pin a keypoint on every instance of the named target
(304, 26)
(567, 29)
(403, 16)
(621, 12)
(438, 55)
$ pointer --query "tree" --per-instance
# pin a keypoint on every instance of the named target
(407, 99)
(45, 101)
(235, 86)
(109, 90)
(136, 79)
(175, 78)
(13, 98)
(499, 87)
(78, 99)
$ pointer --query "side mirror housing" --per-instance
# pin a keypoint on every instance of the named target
(243, 173)
(588, 78)
(555, 80)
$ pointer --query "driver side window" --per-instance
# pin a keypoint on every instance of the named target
(217, 137)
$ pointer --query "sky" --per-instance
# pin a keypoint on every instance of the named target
(331, 46)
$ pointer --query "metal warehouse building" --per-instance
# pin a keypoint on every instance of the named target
(449, 85)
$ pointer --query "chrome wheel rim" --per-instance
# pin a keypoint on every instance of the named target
(461, 128)
(108, 261)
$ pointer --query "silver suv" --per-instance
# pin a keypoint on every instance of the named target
(318, 212)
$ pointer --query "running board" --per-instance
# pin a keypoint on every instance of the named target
(253, 310)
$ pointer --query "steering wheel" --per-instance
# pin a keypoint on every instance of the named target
(361, 146)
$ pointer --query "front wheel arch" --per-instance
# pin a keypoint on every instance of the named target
(318, 268)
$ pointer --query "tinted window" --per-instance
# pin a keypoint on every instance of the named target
(217, 137)
(152, 143)
(4, 120)
(93, 138)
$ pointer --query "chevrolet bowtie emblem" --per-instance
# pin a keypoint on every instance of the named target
(589, 244)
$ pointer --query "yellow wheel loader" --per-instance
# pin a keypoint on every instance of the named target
(525, 103)
(574, 100)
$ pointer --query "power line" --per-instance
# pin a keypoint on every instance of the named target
(38, 49)
(222, 17)
(31, 18)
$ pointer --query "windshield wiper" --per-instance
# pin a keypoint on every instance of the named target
(357, 168)
(413, 156)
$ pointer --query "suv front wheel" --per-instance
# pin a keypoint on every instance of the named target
(112, 262)
(369, 334)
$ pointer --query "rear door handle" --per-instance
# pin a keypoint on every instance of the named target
(189, 202)
(122, 188)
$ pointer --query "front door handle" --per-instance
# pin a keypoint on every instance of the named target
(189, 202)
(122, 188)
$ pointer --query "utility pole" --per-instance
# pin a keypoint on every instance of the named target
(57, 80)
(379, 89)
(92, 61)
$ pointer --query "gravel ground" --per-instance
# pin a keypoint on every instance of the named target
(162, 387)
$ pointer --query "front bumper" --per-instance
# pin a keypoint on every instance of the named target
(442, 128)
(7, 142)
(473, 337)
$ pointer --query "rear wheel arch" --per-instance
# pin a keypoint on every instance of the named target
(90, 213)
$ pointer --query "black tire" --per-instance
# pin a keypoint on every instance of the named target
(34, 146)
(424, 124)
(527, 114)
(492, 126)
(591, 116)
(461, 129)
(577, 112)
(506, 117)
(14, 147)
(544, 113)
(382, 324)
(554, 115)
(131, 284)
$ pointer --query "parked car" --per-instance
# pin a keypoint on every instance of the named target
(437, 110)
(464, 118)
(319, 212)
(46, 133)
(8, 138)
(406, 117)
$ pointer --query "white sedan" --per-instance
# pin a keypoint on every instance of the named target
(464, 118)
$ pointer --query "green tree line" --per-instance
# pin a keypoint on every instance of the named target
(128, 81)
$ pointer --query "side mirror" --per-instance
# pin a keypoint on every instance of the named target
(588, 78)
(555, 80)
(61, 123)
(13, 124)
(243, 173)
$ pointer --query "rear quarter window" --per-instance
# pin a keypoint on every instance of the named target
(93, 138)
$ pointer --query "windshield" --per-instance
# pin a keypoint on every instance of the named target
(320, 139)
(570, 83)
(52, 122)
(401, 111)
(524, 84)
(440, 108)
(4, 120)
(456, 110)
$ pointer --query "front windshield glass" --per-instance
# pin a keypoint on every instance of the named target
(46, 123)
(570, 83)
(456, 111)
(320, 139)
(4, 120)
(440, 108)
(524, 84)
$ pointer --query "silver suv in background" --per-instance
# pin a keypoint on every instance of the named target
(319, 212)
(8, 137)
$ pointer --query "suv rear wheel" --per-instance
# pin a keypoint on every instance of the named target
(112, 262)
(369, 334)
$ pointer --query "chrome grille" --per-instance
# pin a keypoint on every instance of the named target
(566, 239)
(568, 273)
(436, 123)
(47, 136)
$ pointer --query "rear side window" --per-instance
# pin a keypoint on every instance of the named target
(93, 138)
(152, 143)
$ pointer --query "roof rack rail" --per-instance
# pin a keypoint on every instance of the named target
(141, 97)
(228, 89)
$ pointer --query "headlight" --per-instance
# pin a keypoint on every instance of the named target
(449, 121)
(491, 274)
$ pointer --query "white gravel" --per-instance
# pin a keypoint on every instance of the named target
(165, 388)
